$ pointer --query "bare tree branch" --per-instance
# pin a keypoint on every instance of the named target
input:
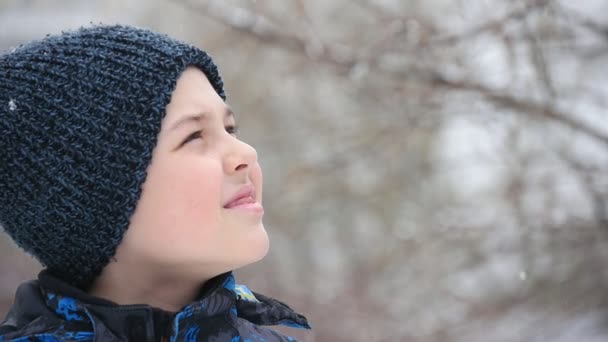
(491, 26)
(259, 28)
(523, 106)
(587, 23)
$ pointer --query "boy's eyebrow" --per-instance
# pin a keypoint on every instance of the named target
(200, 117)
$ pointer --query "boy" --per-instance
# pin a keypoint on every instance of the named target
(121, 172)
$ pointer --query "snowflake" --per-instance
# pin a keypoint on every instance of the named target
(12, 106)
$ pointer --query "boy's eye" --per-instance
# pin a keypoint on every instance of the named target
(232, 129)
(197, 134)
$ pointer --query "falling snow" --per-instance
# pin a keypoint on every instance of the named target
(12, 106)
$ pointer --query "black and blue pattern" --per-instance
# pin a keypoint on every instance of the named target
(224, 312)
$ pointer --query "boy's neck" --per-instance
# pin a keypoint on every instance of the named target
(125, 285)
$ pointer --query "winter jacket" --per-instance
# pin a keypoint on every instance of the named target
(48, 309)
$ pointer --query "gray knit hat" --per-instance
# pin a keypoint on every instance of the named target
(80, 114)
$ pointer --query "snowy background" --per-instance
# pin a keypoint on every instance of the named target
(434, 170)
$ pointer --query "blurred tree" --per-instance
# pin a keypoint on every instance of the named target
(435, 170)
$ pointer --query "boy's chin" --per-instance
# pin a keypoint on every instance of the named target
(256, 253)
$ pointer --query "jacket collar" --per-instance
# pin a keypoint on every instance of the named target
(219, 295)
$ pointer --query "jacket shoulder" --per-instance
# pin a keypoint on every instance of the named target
(28, 315)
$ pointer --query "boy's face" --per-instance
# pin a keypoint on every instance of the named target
(180, 226)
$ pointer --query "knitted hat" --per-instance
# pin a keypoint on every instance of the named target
(80, 114)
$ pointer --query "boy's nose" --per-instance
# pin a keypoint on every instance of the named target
(239, 157)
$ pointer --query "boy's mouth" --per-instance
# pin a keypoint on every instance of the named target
(245, 196)
(240, 202)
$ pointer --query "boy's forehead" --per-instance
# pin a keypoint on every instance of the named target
(195, 98)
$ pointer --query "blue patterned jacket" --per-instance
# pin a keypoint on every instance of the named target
(49, 310)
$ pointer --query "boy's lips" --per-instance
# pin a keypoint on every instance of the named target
(253, 208)
(245, 198)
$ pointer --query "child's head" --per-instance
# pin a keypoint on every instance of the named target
(99, 159)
